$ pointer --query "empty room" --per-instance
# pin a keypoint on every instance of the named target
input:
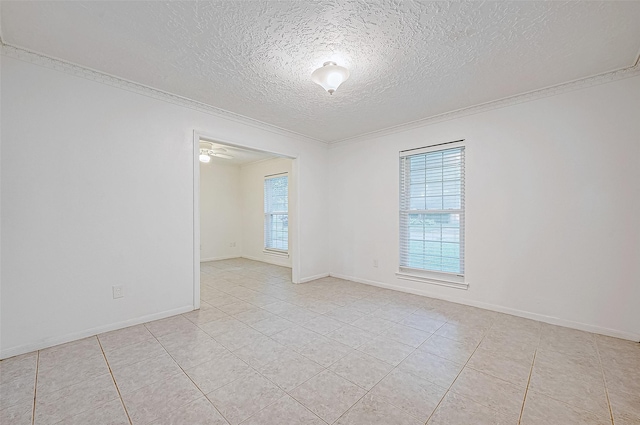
(307, 212)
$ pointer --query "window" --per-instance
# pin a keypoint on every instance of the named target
(432, 212)
(276, 213)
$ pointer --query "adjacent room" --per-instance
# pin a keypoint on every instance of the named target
(319, 212)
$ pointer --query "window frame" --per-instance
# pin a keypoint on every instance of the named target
(450, 279)
(268, 217)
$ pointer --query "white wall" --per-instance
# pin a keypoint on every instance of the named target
(220, 206)
(553, 202)
(97, 190)
(252, 187)
(107, 198)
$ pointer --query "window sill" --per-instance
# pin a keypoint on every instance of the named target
(275, 253)
(442, 280)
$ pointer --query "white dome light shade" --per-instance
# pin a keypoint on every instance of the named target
(330, 76)
(204, 157)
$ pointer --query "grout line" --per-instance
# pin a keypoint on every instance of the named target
(187, 375)
(461, 370)
(604, 379)
(526, 391)
(302, 383)
(114, 381)
(449, 320)
(35, 389)
(367, 392)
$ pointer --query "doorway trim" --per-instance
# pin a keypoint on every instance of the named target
(295, 172)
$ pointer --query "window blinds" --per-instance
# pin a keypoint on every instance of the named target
(432, 210)
(276, 212)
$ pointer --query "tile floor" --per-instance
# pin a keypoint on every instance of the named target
(264, 351)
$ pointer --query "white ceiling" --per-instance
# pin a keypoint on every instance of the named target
(240, 156)
(408, 60)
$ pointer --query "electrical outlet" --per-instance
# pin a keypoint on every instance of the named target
(232, 244)
(117, 292)
(375, 263)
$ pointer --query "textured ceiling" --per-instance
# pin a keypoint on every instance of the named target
(408, 60)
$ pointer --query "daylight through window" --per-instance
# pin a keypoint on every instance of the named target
(276, 213)
(432, 210)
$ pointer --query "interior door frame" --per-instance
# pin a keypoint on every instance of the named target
(293, 213)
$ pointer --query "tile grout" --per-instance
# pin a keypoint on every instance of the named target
(526, 390)
(380, 335)
(604, 380)
(184, 372)
(126, 411)
(354, 296)
(367, 392)
(458, 375)
(324, 368)
(35, 389)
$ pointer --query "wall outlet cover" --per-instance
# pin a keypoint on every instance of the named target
(118, 292)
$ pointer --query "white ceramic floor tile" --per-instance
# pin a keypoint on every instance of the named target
(261, 351)
(55, 406)
(499, 395)
(542, 410)
(370, 410)
(241, 399)
(352, 336)
(158, 400)
(325, 351)
(190, 355)
(296, 337)
(290, 370)
(169, 325)
(441, 372)
(387, 350)
(18, 367)
(17, 414)
(199, 412)
(135, 353)
(111, 413)
(60, 374)
(284, 411)
(328, 395)
(123, 337)
(361, 369)
(146, 372)
(258, 335)
(413, 395)
(218, 372)
(17, 391)
(458, 410)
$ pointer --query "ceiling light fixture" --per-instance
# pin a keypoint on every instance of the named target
(222, 155)
(330, 76)
(206, 152)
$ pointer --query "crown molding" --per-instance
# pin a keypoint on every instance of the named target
(606, 77)
(43, 60)
(111, 80)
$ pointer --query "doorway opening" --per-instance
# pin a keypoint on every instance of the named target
(245, 211)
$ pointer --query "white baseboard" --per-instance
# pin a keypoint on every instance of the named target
(268, 259)
(501, 309)
(50, 342)
(310, 278)
(228, 257)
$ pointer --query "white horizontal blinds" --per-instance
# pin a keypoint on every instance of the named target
(276, 212)
(432, 210)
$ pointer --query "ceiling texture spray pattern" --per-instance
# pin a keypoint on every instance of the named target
(408, 60)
